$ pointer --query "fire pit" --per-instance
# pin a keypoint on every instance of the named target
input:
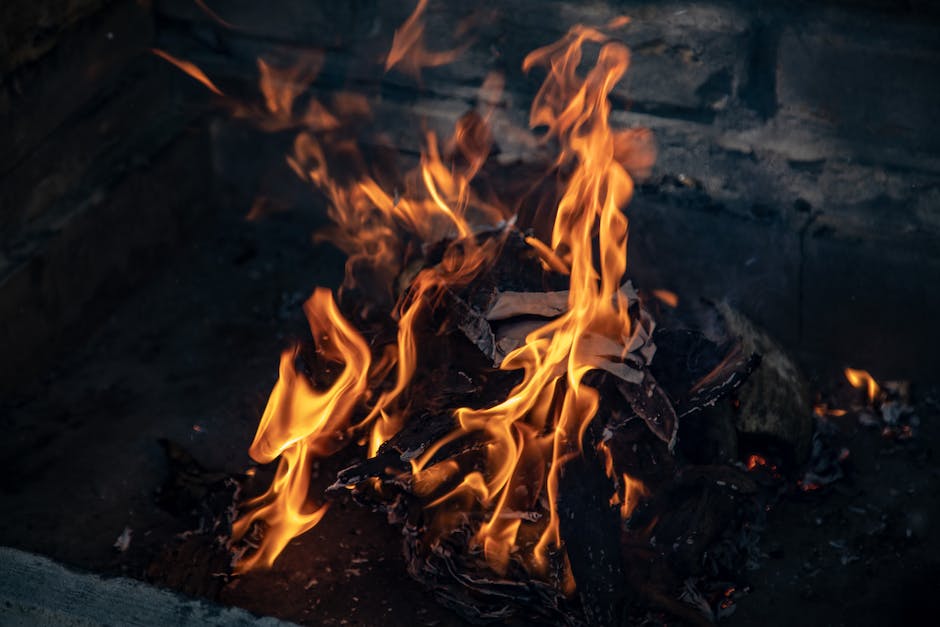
(483, 401)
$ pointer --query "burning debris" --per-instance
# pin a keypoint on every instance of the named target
(888, 406)
(548, 450)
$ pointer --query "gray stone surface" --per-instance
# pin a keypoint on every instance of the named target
(863, 79)
(35, 590)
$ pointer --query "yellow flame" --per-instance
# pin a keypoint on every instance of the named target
(861, 379)
(300, 423)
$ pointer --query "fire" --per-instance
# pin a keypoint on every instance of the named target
(754, 460)
(408, 51)
(591, 334)
(189, 68)
(666, 297)
(300, 424)
(541, 424)
(861, 379)
(633, 492)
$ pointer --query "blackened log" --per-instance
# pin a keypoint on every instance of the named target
(651, 403)
(591, 531)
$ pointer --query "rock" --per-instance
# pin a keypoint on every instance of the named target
(775, 400)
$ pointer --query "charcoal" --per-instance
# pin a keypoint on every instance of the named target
(680, 389)
(415, 437)
(204, 503)
(636, 452)
(480, 596)
(696, 371)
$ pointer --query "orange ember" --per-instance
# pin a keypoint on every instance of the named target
(753, 461)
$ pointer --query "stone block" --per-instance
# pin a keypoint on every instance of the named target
(871, 82)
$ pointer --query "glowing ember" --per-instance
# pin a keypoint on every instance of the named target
(753, 461)
(823, 410)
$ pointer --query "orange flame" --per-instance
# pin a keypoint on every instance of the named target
(596, 328)
(301, 423)
(861, 379)
(190, 69)
(409, 53)
(633, 489)
(670, 299)
(754, 460)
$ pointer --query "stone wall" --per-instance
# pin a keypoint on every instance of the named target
(89, 121)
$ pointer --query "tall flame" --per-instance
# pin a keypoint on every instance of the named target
(299, 424)
(596, 328)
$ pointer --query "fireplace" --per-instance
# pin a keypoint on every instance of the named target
(602, 314)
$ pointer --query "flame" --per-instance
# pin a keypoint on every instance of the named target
(281, 86)
(823, 410)
(670, 299)
(301, 423)
(754, 460)
(409, 53)
(214, 16)
(861, 379)
(633, 490)
(190, 69)
(556, 357)
(542, 423)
